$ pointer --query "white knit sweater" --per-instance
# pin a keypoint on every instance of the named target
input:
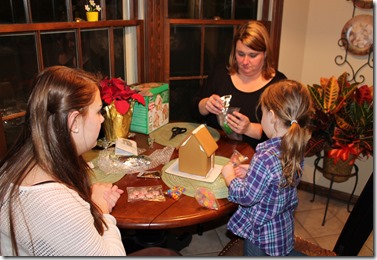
(54, 220)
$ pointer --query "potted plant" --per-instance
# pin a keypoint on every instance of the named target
(92, 10)
(120, 99)
(342, 124)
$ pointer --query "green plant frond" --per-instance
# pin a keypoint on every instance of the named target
(342, 79)
(361, 115)
(331, 94)
(316, 93)
(314, 146)
(347, 92)
(343, 123)
(339, 119)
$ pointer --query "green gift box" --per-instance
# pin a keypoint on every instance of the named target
(155, 113)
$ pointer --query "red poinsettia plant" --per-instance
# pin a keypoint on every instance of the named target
(343, 119)
(116, 91)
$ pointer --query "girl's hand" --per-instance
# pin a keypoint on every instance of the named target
(228, 173)
(241, 170)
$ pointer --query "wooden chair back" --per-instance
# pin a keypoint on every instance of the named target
(3, 143)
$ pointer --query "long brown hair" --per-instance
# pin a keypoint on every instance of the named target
(46, 141)
(255, 36)
(292, 104)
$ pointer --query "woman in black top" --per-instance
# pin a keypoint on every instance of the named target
(248, 73)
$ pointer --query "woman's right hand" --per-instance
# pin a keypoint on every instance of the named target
(212, 104)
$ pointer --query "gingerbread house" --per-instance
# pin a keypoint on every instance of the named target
(196, 154)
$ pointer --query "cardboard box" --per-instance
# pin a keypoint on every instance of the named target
(155, 113)
(196, 154)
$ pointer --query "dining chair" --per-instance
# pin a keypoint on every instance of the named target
(3, 144)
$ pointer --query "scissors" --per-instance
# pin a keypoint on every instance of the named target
(176, 131)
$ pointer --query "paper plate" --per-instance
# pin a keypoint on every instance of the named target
(218, 187)
(211, 176)
(163, 134)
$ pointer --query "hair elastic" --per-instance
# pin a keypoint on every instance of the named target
(294, 121)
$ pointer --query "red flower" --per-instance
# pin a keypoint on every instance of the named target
(115, 90)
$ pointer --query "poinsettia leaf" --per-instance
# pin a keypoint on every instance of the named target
(139, 98)
(107, 99)
(122, 106)
(118, 83)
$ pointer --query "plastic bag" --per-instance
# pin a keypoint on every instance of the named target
(175, 192)
(206, 198)
(237, 158)
(149, 193)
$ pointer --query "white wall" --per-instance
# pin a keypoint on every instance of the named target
(311, 30)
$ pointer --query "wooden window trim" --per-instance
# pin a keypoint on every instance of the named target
(158, 32)
(37, 28)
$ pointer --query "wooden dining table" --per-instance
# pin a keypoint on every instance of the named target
(171, 213)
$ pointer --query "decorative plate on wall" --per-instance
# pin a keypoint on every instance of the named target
(364, 4)
(358, 32)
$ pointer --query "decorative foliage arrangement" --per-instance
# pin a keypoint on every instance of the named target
(92, 7)
(115, 90)
(343, 120)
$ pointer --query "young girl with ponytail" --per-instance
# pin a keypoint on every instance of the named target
(266, 190)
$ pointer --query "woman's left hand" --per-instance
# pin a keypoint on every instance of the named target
(238, 122)
(112, 196)
(105, 196)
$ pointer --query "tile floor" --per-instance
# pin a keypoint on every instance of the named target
(308, 225)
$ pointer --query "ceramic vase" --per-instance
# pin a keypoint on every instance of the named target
(92, 16)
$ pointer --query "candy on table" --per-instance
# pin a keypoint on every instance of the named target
(175, 192)
(150, 193)
(206, 198)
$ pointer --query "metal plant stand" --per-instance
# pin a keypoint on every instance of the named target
(319, 168)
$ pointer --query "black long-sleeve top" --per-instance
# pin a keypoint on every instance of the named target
(219, 82)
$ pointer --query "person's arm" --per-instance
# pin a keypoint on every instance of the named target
(105, 196)
(205, 102)
(251, 189)
(228, 173)
(62, 219)
(241, 124)
(212, 104)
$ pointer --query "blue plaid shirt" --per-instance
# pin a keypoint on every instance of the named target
(265, 211)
